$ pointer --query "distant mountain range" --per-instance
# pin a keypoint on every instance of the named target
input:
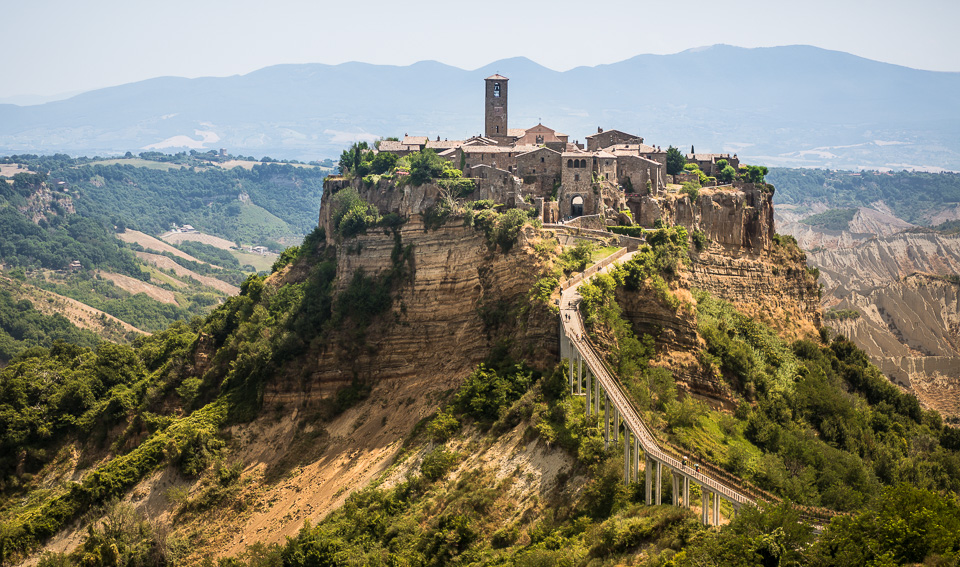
(782, 106)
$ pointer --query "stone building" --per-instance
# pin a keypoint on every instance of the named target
(708, 162)
(541, 135)
(605, 139)
(539, 165)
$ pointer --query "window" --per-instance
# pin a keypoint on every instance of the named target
(541, 160)
(496, 90)
(569, 163)
(576, 177)
(498, 128)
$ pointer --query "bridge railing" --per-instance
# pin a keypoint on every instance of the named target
(739, 489)
(725, 480)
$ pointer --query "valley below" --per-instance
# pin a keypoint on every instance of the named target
(889, 285)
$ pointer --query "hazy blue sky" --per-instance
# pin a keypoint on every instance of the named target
(57, 46)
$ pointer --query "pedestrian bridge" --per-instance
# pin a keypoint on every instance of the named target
(590, 376)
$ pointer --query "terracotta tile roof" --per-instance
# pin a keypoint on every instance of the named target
(479, 140)
(419, 140)
(603, 154)
(707, 157)
(444, 145)
(537, 149)
(632, 149)
(488, 149)
(394, 146)
(518, 132)
(639, 157)
(497, 77)
(611, 132)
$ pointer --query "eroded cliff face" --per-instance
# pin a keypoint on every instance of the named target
(458, 299)
(741, 262)
(908, 322)
(911, 330)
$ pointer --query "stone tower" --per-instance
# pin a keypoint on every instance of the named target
(495, 107)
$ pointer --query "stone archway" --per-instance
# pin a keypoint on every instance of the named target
(576, 206)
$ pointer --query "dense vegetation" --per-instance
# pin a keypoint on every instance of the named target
(60, 239)
(834, 219)
(911, 195)
(41, 235)
(22, 327)
(269, 201)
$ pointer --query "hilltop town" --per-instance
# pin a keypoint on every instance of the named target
(612, 176)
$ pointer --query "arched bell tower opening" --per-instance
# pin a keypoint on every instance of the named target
(495, 107)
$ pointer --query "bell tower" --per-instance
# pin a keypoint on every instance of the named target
(495, 107)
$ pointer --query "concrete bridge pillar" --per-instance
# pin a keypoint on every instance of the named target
(635, 465)
(616, 425)
(686, 493)
(626, 456)
(658, 483)
(648, 473)
(606, 422)
(704, 506)
(579, 373)
(716, 508)
(589, 389)
(675, 486)
(596, 392)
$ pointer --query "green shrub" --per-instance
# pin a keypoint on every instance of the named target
(487, 392)
(700, 240)
(437, 214)
(438, 462)
(841, 314)
(576, 259)
(442, 426)
(692, 190)
(425, 166)
(634, 231)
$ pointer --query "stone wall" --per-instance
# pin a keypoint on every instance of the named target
(640, 171)
(609, 138)
(539, 169)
